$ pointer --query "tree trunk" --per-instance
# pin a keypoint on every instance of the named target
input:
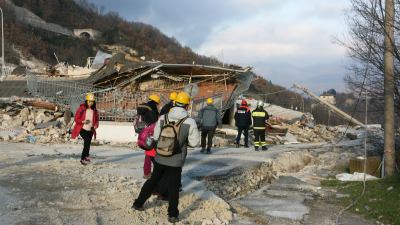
(389, 89)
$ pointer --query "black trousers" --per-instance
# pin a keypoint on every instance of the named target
(204, 141)
(87, 139)
(245, 131)
(259, 137)
(173, 176)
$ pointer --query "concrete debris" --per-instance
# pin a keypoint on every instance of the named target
(354, 177)
(307, 120)
(22, 122)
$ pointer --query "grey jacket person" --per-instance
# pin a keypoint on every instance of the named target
(188, 135)
(209, 117)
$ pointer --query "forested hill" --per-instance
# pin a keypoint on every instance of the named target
(145, 39)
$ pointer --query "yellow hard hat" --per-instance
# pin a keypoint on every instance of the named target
(183, 98)
(90, 97)
(210, 101)
(155, 98)
(172, 96)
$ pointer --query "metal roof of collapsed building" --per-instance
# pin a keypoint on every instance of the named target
(119, 72)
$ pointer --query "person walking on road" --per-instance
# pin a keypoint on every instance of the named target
(149, 114)
(167, 107)
(86, 122)
(243, 123)
(260, 118)
(174, 132)
(209, 119)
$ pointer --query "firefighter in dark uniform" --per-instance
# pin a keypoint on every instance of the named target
(243, 123)
(260, 117)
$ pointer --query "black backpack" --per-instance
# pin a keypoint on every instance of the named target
(138, 122)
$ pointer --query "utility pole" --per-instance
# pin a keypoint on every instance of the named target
(2, 45)
(389, 89)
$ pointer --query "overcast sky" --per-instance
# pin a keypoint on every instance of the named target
(286, 41)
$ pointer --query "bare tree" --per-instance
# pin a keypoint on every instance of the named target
(365, 44)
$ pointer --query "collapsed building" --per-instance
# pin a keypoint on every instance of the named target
(123, 83)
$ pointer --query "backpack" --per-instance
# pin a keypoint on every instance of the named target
(168, 144)
(145, 139)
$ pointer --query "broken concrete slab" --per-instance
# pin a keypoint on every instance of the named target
(286, 204)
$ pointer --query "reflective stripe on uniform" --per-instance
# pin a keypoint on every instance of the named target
(259, 128)
(258, 114)
(260, 144)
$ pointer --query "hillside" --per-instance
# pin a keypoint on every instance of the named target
(145, 39)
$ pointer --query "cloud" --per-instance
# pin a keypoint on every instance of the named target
(250, 40)
(284, 40)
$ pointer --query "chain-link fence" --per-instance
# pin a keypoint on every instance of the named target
(114, 104)
(5, 71)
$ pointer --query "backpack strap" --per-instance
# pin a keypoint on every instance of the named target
(180, 122)
(145, 106)
(177, 129)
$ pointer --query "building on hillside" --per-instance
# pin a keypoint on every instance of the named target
(329, 96)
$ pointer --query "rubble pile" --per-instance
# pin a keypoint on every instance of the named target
(301, 131)
(22, 123)
(318, 133)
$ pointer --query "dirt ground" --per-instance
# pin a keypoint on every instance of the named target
(55, 189)
(45, 184)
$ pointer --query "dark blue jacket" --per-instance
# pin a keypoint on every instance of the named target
(243, 117)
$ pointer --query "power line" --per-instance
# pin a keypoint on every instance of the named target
(266, 94)
(366, 122)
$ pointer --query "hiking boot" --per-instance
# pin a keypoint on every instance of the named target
(256, 148)
(246, 146)
(264, 148)
(83, 162)
(87, 159)
(147, 176)
(173, 219)
(237, 145)
(137, 207)
(202, 150)
(208, 151)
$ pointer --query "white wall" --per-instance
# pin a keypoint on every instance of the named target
(116, 132)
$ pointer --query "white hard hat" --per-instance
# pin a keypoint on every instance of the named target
(260, 103)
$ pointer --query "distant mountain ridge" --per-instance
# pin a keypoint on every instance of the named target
(67, 15)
